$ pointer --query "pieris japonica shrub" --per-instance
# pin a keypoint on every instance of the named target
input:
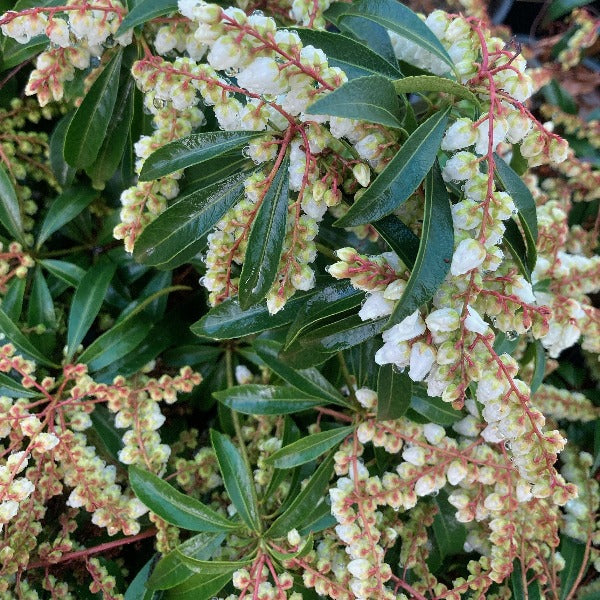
(298, 300)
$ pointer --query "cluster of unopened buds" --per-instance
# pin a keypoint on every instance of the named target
(583, 36)
(14, 263)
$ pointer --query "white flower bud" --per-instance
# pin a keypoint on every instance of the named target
(460, 167)
(425, 485)
(469, 255)
(415, 455)
(443, 319)
(459, 135)
(456, 472)
(243, 374)
(409, 328)
(262, 76)
(375, 306)
(422, 357)
(434, 433)
(293, 537)
(366, 397)
(474, 322)
(359, 568)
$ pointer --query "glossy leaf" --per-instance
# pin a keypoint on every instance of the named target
(419, 84)
(9, 387)
(177, 234)
(520, 586)
(211, 567)
(372, 99)
(539, 366)
(309, 381)
(63, 209)
(403, 174)
(296, 515)
(432, 408)
(88, 299)
(10, 211)
(435, 249)
(171, 570)
(573, 552)
(226, 320)
(255, 399)
(62, 170)
(308, 448)
(103, 425)
(399, 238)
(91, 120)
(192, 150)
(199, 587)
(560, 8)
(450, 534)
(265, 242)
(12, 303)
(237, 479)
(137, 588)
(394, 392)
(65, 271)
(41, 305)
(354, 58)
(14, 53)
(513, 240)
(144, 11)
(401, 20)
(173, 506)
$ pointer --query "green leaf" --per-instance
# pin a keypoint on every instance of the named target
(372, 99)
(87, 300)
(354, 58)
(265, 242)
(177, 234)
(401, 20)
(403, 174)
(14, 53)
(517, 580)
(335, 298)
(399, 238)
(137, 588)
(296, 515)
(308, 448)
(394, 392)
(103, 424)
(9, 387)
(211, 567)
(63, 209)
(539, 370)
(419, 84)
(173, 506)
(519, 192)
(308, 381)
(20, 341)
(144, 11)
(450, 535)
(112, 149)
(513, 239)
(63, 172)
(237, 479)
(91, 120)
(170, 569)
(254, 399)
(573, 552)
(432, 408)
(41, 305)
(435, 249)
(227, 320)
(560, 8)
(65, 271)
(193, 150)
(10, 212)
(199, 587)
(12, 303)
(221, 167)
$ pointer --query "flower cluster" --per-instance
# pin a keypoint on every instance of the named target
(583, 35)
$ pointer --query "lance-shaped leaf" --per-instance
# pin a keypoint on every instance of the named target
(91, 121)
(372, 99)
(432, 408)
(521, 584)
(394, 393)
(199, 587)
(65, 271)
(401, 20)
(403, 174)
(399, 238)
(10, 212)
(449, 534)
(435, 250)
(356, 59)
(41, 306)
(173, 506)
(192, 150)
(419, 84)
(265, 242)
(539, 370)
(238, 480)
(308, 448)
(145, 10)
(255, 399)
(211, 567)
(523, 199)
(88, 299)
(513, 239)
(177, 234)
(9, 387)
(573, 551)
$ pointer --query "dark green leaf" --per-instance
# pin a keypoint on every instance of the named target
(433, 409)
(177, 234)
(394, 392)
(14, 53)
(372, 99)
(435, 249)
(370, 34)
(65, 271)
(401, 20)
(227, 320)
(419, 84)
(63, 172)
(513, 239)
(296, 515)
(221, 167)
(265, 242)
(237, 479)
(9, 387)
(41, 305)
(137, 588)
(212, 567)
(199, 587)
(539, 370)
(291, 433)
(88, 299)
(63, 209)
(144, 11)
(560, 8)
(573, 552)
(90, 122)
(254, 399)
(403, 174)
(170, 570)
(192, 150)
(450, 535)
(308, 381)
(103, 423)
(10, 212)
(356, 59)
(173, 506)
(519, 581)
(400, 238)
(308, 448)
(12, 303)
